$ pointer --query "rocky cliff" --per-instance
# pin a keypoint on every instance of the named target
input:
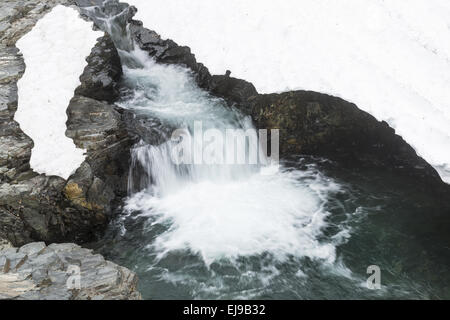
(51, 209)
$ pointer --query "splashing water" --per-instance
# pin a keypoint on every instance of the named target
(217, 211)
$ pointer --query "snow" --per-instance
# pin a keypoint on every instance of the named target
(54, 52)
(390, 57)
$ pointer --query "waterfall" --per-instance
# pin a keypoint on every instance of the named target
(220, 209)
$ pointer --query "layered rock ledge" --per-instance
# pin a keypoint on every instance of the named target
(62, 272)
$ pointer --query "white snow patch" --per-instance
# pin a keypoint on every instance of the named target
(54, 52)
(390, 57)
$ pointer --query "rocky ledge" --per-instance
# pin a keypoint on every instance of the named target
(62, 272)
(36, 207)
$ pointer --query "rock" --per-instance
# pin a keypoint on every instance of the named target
(93, 125)
(100, 77)
(15, 146)
(168, 52)
(62, 272)
(233, 90)
(317, 124)
(98, 126)
(36, 207)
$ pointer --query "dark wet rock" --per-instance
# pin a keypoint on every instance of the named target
(317, 124)
(97, 125)
(39, 272)
(92, 124)
(99, 79)
(37, 208)
(167, 51)
(99, 128)
(233, 90)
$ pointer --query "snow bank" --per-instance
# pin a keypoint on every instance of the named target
(54, 51)
(391, 58)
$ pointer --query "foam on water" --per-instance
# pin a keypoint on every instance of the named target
(276, 213)
(222, 211)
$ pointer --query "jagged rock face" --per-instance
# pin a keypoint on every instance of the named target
(15, 146)
(39, 272)
(100, 77)
(58, 210)
(17, 181)
(36, 207)
(99, 128)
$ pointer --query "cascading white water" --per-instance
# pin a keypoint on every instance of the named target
(218, 211)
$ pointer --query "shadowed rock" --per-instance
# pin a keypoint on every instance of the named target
(100, 77)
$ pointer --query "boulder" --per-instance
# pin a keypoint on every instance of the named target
(317, 124)
(100, 78)
(37, 208)
(62, 272)
(97, 125)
